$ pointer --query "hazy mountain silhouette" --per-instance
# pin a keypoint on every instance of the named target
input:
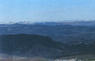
(57, 31)
(76, 38)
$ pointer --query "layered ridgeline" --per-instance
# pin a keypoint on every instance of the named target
(77, 38)
(30, 46)
(64, 32)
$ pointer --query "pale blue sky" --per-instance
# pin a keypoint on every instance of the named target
(46, 10)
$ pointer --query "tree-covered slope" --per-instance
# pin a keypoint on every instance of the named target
(30, 45)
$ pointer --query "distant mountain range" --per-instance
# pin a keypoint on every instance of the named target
(82, 23)
(78, 23)
(46, 38)
(57, 31)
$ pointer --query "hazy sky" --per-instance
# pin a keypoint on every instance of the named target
(46, 10)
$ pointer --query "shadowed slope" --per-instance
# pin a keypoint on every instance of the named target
(30, 45)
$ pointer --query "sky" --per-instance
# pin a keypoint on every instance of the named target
(46, 10)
